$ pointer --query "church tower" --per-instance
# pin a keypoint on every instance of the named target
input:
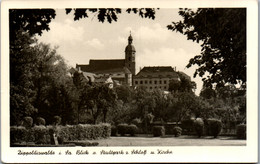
(130, 55)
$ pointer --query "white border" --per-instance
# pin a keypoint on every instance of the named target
(180, 154)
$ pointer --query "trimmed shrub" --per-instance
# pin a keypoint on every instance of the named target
(132, 129)
(158, 131)
(198, 126)
(41, 134)
(177, 131)
(56, 120)
(122, 129)
(18, 134)
(241, 131)
(214, 127)
(113, 131)
(27, 122)
(40, 121)
(187, 125)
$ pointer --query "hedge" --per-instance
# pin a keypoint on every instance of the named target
(158, 131)
(198, 126)
(241, 131)
(127, 129)
(40, 121)
(43, 134)
(214, 127)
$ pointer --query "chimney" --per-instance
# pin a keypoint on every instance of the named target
(79, 69)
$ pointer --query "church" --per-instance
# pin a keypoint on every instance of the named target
(122, 71)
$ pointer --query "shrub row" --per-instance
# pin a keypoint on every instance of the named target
(123, 129)
(43, 134)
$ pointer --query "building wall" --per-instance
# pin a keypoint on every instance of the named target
(153, 83)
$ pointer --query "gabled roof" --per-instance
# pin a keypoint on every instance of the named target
(98, 65)
(159, 71)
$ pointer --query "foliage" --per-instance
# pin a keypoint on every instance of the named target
(213, 126)
(56, 120)
(41, 134)
(177, 131)
(199, 126)
(110, 14)
(132, 129)
(222, 32)
(122, 129)
(187, 125)
(18, 134)
(183, 85)
(27, 122)
(40, 121)
(241, 131)
(158, 131)
(124, 93)
(113, 131)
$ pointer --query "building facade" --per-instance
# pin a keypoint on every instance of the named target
(120, 70)
(153, 78)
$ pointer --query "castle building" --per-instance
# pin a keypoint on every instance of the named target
(120, 70)
(153, 78)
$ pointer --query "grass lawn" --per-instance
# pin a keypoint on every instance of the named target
(171, 141)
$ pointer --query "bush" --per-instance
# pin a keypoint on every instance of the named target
(187, 125)
(214, 127)
(177, 131)
(132, 129)
(113, 131)
(241, 131)
(44, 135)
(56, 120)
(27, 122)
(158, 131)
(18, 134)
(40, 121)
(198, 126)
(41, 134)
(122, 129)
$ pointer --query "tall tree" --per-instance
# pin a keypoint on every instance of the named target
(222, 34)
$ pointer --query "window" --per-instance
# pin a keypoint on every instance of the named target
(150, 81)
(165, 82)
(151, 87)
(160, 82)
(129, 58)
(165, 87)
(136, 82)
(155, 82)
(129, 65)
(141, 82)
(145, 81)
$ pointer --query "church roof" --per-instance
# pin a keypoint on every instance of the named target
(98, 65)
(115, 70)
(157, 72)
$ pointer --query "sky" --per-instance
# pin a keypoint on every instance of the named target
(80, 41)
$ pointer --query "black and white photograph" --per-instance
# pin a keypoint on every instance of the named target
(129, 83)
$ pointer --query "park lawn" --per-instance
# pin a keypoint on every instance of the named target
(171, 141)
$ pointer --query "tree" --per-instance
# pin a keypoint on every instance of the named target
(222, 32)
(182, 85)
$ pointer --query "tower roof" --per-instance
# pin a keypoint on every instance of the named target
(130, 48)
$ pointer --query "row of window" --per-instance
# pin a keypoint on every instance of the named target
(151, 82)
(160, 87)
